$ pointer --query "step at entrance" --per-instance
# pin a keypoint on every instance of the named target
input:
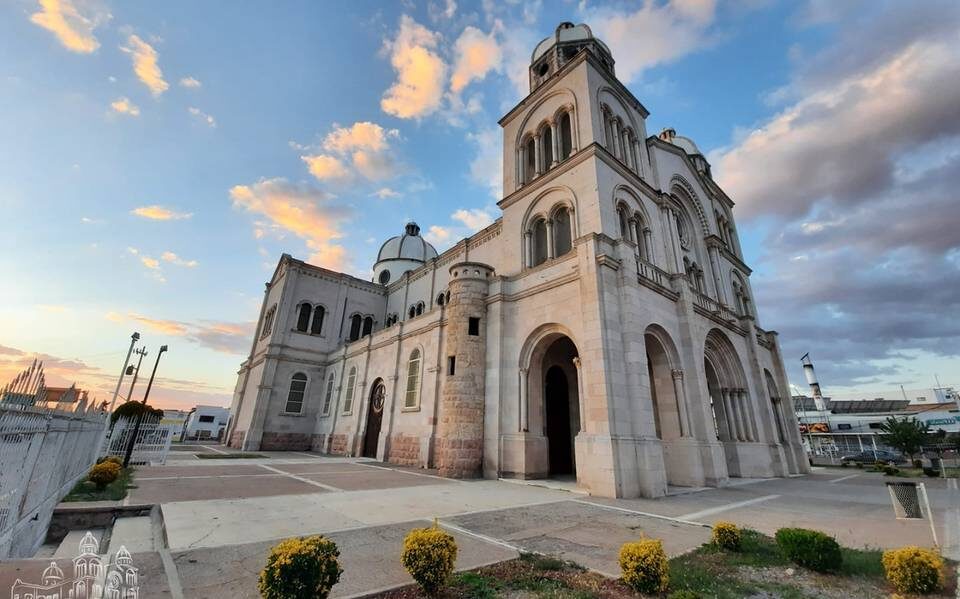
(136, 534)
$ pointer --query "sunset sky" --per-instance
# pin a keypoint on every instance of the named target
(156, 158)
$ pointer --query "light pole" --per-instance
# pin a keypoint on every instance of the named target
(143, 352)
(133, 341)
(136, 429)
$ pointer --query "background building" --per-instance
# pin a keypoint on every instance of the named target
(206, 422)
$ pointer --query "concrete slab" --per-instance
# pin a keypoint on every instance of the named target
(199, 470)
(370, 558)
(69, 547)
(224, 487)
(316, 467)
(136, 534)
(374, 479)
(588, 534)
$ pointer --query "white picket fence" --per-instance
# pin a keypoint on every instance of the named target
(43, 453)
(152, 444)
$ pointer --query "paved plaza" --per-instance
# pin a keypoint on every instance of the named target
(217, 518)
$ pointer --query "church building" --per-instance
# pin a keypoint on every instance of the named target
(602, 328)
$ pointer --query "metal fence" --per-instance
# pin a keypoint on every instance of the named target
(43, 453)
(152, 444)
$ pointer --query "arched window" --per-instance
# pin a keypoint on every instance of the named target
(624, 219)
(317, 324)
(268, 321)
(530, 160)
(562, 234)
(348, 397)
(440, 299)
(412, 397)
(681, 229)
(640, 234)
(566, 141)
(367, 326)
(303, 317)
(539, 243)
(328, 395)
(298, 388)
(356, 321)
(419, 308)
(547, 145)
(741, 295)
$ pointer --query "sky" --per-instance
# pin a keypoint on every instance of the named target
(156, 159)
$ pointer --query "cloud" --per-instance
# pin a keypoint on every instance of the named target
(145, 64)
(190, 82)
(226, 337)
(445, 10)
(123, 105)
(486, 168)
(476, 54)
(74, 28)
(421, 72)
(385, 193)
(177, 260)
(365, 146)
(438, 235)
(325, 167)
(156, 212)
(204, 117)
(151, 263)
(473, 219)
(656, 33)
(856, 178)
(303, 210)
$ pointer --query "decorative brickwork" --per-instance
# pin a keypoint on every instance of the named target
(285, 442)
(404, 450)
(236, 439)
(338, 444)
(460, 430)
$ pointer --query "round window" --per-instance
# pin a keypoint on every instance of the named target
(384, 277)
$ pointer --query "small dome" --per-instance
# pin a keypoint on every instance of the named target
(684, 143)
(89, 545)
(566, 32)
(52, 575)
(409, 246)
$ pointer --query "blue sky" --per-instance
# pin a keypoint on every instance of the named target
(156, 160)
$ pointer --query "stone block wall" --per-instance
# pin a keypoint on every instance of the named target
(338, 444)
(236, 439)
(285, 442)
(404, 450)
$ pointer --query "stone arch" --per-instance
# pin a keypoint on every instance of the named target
(678, 182)
(776, 405)
(544, 207)
(727, 386)
(614, 99)
(663, 361)
(524, 129)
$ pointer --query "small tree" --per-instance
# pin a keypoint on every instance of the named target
(907, 434)
(132, 409)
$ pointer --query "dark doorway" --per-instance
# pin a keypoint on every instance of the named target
(374, 418)
(559, 436)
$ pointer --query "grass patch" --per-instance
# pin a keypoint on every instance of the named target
(231, 456)
(87, 491)
(862, 562)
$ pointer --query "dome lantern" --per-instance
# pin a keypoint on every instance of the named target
(402, 253)
(557, 50)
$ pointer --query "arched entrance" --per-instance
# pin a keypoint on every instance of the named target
(552, 408)
(733, 412)
(660, 366)
(371, 438)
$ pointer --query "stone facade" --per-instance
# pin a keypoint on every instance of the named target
(602, 328)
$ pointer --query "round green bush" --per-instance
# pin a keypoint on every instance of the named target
(810, 548)
(726, 535)
(429, 555)
(301, 568)
(914, 570)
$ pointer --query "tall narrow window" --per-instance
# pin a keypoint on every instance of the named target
(561, 232)
(268, 321)
(355, 322)
(547, 145)
(328, 395)
(367, 326)
(566, 142)
(303, 317)
(451, 365)
(624, 221)
(348, 397)
(411, 398)
(298, 388)
(473, 326)
(539, 242)
(419, 308)
(317, 325)
(530, 160)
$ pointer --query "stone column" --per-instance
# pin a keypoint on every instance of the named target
(580, 398)
(549, 225)
(648, 245)
(538, 154)
(615, 137)
(680, 394)
(521, 175)
(524, 410)
(528, 238)
(554, 141)
(728, 415)
(750, 413)
(632, 225)
(459, 452)
(738, 396)
(715, 271)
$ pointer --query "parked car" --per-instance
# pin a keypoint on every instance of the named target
(870, 456)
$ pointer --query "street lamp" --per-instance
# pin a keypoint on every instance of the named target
(133, 341)
(136, 429)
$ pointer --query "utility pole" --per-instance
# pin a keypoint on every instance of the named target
(136, 429)
(143, 352)
(133, 341)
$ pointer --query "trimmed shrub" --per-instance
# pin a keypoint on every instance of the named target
(913, 570)
(726, 535)
(103, 474)
(890, 471)
(428, 555)
(917, 463)
(810, 548)
(932, 472)
(111, 458)
(644, 566)
(301, 568)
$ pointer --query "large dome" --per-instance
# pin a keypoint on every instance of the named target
(566, 32)
(402, 253)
